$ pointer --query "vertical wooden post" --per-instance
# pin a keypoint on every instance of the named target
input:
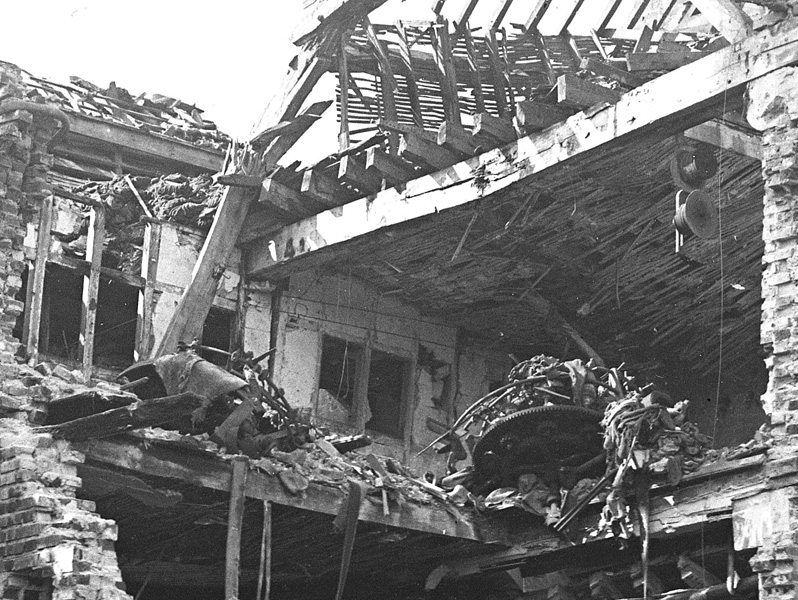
(343, 81)
(410, 76)
(265, 574)
(91, 285)
(35, 292)
(387, 83)
(479, 96)
(149, 267)
(446, 72)
(496, 73)
(235, 520)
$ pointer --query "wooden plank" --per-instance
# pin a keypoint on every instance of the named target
(392, 168)
(534, 116)
(146, 296)
(661, 61)
(84, 268)
(235, 522)
(447, 76)
(91, 285)
(718, 133)
(351, 170)
(540, 44)
(473, 63)
(669, 103)
(603, 69)
(538, 12)
(142, 141)
(727, 17)
(410, 76)
(143, 413)
(579, 93)
(212, 472)
(35, 290)
(189, 316)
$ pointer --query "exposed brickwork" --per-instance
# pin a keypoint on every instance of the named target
(780, 231)
(24, 166)
(46, 533)
(773, 108)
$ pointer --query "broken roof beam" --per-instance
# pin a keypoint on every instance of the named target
(320, 14)
(141, 142)
(661, 107)
(727, 17)
(210, 472)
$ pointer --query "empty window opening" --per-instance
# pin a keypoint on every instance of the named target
(115, 325)
(340, 360)
(386, 393)
(59, 333)
(217, 333)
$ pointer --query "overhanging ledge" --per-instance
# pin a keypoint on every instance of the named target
(670, 103)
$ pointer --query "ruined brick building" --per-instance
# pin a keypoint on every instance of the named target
(603, 181)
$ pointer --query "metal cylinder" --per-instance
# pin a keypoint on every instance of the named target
(697, 166)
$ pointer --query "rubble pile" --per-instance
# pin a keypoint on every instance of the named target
(189, 201)
(154, 113)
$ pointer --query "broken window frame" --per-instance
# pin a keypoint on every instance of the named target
(146, 284)
(360, 405)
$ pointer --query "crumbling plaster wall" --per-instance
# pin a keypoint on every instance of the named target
(315, 304)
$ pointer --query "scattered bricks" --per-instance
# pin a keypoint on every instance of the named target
(15, 387)
(18, 490)
(62, 372)
(13, 449)
(72, 457)
(44, 368)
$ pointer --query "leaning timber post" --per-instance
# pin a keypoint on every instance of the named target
(769, 521)
(235, 521)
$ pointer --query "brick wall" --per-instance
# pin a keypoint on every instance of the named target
(48, 537)
(24, 164)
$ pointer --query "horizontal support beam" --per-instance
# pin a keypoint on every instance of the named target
(661, 107)
(213, 473)
(716, 133)
(148, 143)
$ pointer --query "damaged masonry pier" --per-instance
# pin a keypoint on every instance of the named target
(527, 333)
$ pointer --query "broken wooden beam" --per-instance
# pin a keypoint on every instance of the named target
(265, 571)
(534, 116)
(661, 61)
(351, 170)
(144, 413)
(599, 67)
(660, 108)
(286, 140)
(494, 128)
(101, 482)
(727, 17)
(579, 93)
(146, 297)
(188, 318)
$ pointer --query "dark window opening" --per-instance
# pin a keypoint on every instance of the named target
(339, 368)
(386, 393)
(217, 333)
(59, 333)
(115, 324)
